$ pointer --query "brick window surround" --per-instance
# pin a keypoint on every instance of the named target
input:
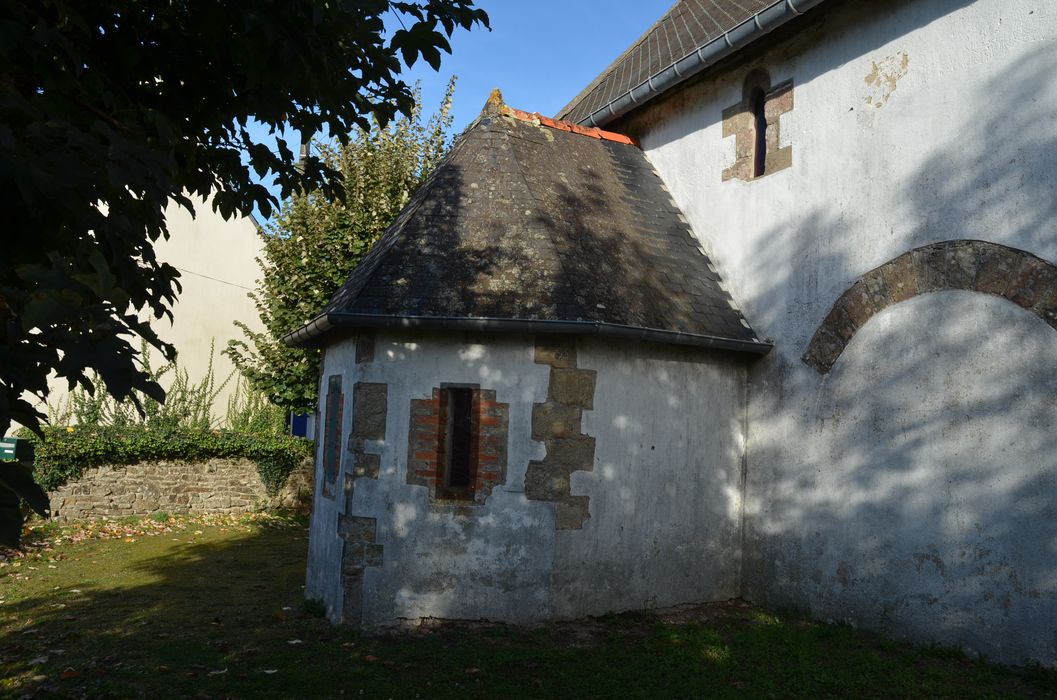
(428, 448)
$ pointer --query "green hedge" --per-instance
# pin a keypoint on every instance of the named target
(65, 453)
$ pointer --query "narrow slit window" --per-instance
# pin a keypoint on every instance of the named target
(758, 103)
(332, 429)
(459, 447)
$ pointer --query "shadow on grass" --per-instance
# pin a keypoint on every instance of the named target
(222, 616)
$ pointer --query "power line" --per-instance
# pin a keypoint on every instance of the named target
(199, 274)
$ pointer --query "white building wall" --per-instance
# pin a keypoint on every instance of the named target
(490, 561)
(664, 489)
(911, 489)
(218, 264)
(217, 259)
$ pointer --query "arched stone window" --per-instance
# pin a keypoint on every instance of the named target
(758, 104)
(755, 123)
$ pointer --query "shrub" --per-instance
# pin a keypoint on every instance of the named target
(65, 453)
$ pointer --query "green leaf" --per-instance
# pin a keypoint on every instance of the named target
(98, 137)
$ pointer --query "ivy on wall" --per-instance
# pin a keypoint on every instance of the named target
(65, 453)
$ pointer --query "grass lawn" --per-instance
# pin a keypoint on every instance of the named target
(212, 608)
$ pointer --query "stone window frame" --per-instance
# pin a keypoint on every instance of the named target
(741, 122)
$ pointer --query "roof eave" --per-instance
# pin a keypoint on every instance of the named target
(313, 332)
(732, 41)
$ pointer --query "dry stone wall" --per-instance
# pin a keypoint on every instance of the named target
(215, 486)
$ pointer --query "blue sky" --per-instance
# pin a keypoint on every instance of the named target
(540, 53)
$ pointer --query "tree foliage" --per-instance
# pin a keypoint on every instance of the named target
(111, 109)
(317, 240)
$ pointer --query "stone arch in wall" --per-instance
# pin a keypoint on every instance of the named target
(978, 266)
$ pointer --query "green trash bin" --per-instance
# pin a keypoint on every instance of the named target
(16, 449)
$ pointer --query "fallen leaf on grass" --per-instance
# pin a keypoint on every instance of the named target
(270, 671)
(69, 673)
(217, 673)
(370, 658)
(295, 641)
(473, 670)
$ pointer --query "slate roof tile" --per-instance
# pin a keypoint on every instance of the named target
(689, 24)
(528, 222)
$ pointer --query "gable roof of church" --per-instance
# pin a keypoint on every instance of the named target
(538, 226)
(691, 36)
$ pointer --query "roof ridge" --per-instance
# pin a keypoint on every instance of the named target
(496, 105)
(591, 131)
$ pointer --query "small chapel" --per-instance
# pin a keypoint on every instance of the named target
(766, 311)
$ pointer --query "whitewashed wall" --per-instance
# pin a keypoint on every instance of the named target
(439, 562)
(664, 488)
(911, 489)
(217, 259)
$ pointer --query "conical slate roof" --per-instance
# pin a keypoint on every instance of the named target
(539, 226)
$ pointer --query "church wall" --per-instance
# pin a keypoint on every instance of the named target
(910, 487)
(620, 488)
(664, 493)
(438, 559)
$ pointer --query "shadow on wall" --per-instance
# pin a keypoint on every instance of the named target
(912, 488)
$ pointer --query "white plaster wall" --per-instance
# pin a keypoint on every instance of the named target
(665, 490)
(218, 264)
(323, 574)
(911, 489)
(664, 525)
(490, 561)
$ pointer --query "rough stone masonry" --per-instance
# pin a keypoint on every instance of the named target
(215, 486)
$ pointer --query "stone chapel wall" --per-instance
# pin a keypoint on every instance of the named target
(609, 479)
(901, 451)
